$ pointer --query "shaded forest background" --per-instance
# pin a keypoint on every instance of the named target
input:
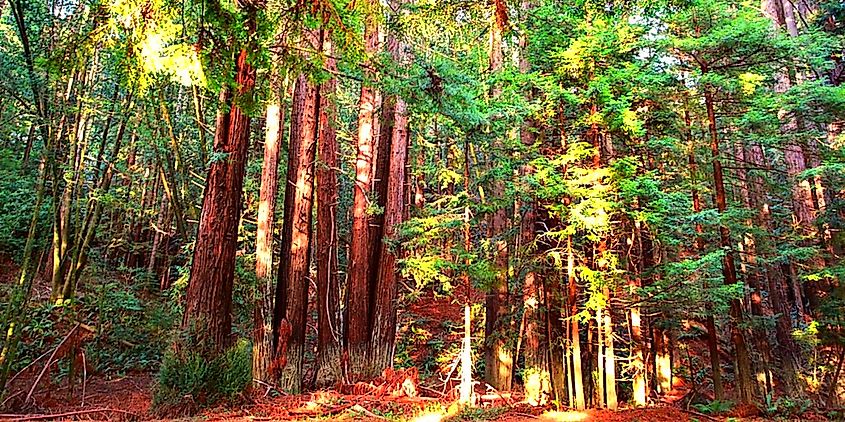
(620, 197)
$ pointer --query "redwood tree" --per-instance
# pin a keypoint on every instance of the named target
(360, 268)
(291, 299)
(328, 321)
(208, 314)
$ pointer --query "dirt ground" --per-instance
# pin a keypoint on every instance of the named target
(129, 398)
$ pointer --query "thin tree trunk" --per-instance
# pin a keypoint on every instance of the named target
(575, 340)
(13, 315)
(639, 384)
(609, 358)
(745, 384)
(262, 336)
(710, 322)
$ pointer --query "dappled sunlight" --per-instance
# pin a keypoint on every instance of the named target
(429, 417)
(569, 416)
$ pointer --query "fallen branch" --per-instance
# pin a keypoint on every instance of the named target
(506, 397)
(84, 376)
(50, 362)
(329, 412)
(431, 390)
(65, 415)
(27, 367)
(11, 396)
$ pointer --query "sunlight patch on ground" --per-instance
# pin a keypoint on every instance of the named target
(572, 416)
(429, 417)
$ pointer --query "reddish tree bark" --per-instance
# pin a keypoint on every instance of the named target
(290, 308)
(328, 321)
(709, 321)
(777, 284)
(208, 311)
(358, 306)
(745, 385)
(384, 311)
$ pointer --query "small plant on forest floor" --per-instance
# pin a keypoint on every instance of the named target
(479, 414)
(714, 407)
(189, 381)
(786, 406)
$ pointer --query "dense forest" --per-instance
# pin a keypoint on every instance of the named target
(560, 205)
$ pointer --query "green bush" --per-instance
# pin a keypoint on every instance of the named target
(714, 407)
(188, 380)
(17, 199)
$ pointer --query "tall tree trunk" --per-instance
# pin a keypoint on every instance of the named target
(709, 322)
(384, 312)
(498, 358)
(536, 378)
(360, 268)
(745, 384)
(609, 357)
(575, 340)
(639, 384)
(748, 266)
(465, 390)
(328, 291)
(209, 297)
(291, 303)
(262, 335)
(777, 284)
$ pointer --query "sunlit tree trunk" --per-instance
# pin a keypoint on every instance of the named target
(536, 378)
(783, 14)
(575, 340)
(291, 301)
(384, 312)
(465, 390)
(385, 288)
(609, 358)
(638, 349)
(262, 335)
(358, 305)
(748, 265)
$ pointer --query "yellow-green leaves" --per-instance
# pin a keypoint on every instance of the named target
(749, 81)
(155, 42)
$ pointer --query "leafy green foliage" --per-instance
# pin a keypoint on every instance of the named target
(714, 407)
(17, 197)
(188, 381)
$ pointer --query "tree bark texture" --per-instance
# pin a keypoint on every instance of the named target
(328, 291)
(291, 299)
(208, 311)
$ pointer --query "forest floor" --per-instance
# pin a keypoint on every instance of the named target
(430, 331)
(129, 398)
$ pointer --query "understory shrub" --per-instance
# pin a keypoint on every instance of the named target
(188, 380)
